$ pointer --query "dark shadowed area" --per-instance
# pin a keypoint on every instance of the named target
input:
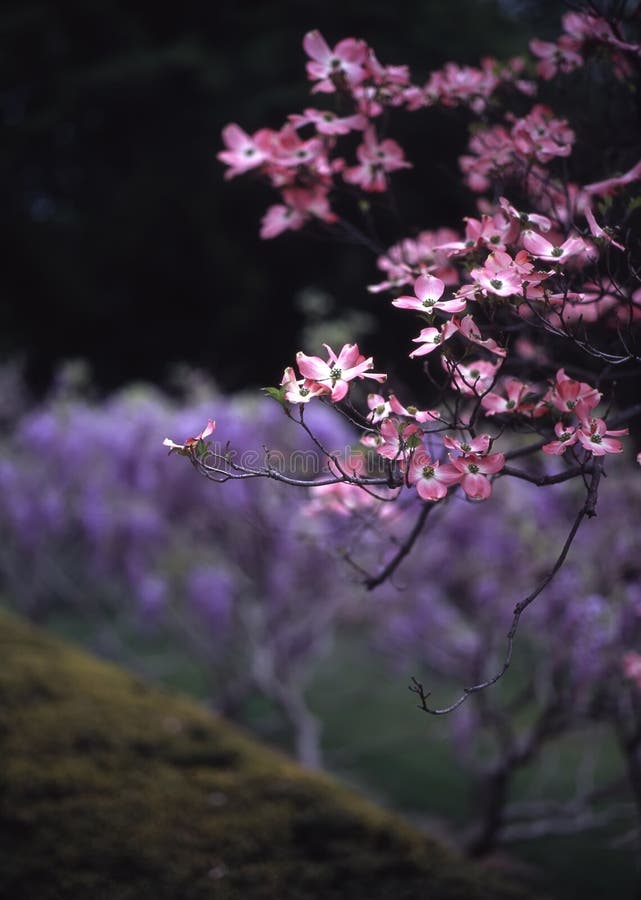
(123, 244)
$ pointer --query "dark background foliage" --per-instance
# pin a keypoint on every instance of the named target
(122, 242)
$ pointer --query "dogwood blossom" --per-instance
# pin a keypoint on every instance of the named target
(543, 249)
(596, 438)
(191, 444)
(431, 338)
(513, 402)
(243, 152)
(429, 477)
(336, 373)
(429, 290)
(471, 472)
(568, 395)
(376, 158)
(566, 436)
(334, 68)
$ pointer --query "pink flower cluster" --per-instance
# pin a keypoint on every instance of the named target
(305, 169)
(403, 442)
(425, 254)
(538, 137)
(576, 400)
(484, 296)
(456, 85)
(327, 377)
(583, 34)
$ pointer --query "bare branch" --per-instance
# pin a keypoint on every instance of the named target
(403, 550)
(587, 510)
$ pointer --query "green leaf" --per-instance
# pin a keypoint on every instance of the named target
(277, 394)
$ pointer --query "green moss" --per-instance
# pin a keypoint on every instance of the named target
(112, 789)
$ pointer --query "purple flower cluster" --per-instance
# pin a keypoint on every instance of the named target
(96, 515)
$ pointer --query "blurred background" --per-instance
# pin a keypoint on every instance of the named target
(138, 301)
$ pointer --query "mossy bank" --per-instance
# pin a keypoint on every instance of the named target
(111, 789)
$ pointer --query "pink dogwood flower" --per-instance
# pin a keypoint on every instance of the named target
(585, 29)
(429, 290)
(423, 253)
(327, 122)
(336, 373)
(301, 205)
(598, 232)
(472, 471)
(541, 136)
(379, 408)
(501, 275)
(431, 338)
(555, 57)
(478, 445)
(473, 378)
(514, 400)
(419, 415)
(192, 444)
(430, 479)
(397, 439)
(376, 158)
(570, 396)
(340, 67)
(595, 437)
(299, 390)
(524, 219)
(243, 152)
(468, 328)
(566, 435)
(543, 249)
(493, 232)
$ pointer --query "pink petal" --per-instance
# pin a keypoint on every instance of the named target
(492, 463)
(430, 489)
(312, 367)
(477, 487)
(316, 46)
(428, 287)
